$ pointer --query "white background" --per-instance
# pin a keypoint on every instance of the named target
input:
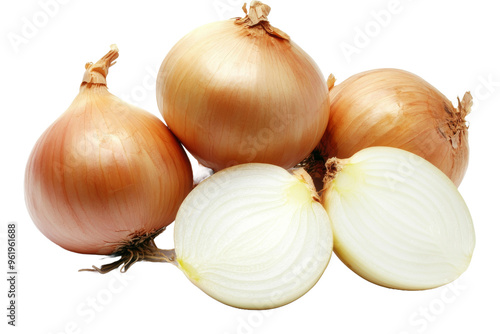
(452, 44)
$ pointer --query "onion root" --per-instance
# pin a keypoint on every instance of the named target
(139, 247)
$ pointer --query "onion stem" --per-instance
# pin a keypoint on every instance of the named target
(97, 73)
(332, 167)
(256, 15)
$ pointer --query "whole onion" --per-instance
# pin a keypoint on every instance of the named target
(392, 107)
(106, 177)
(241, 91)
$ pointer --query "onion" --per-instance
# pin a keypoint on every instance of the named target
(391, 107)
(241, 91)
(106, 177)
(253, 236)
(398, 221)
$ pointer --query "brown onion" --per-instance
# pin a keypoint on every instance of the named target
(106, 177)
(241, 91)
(391, 107)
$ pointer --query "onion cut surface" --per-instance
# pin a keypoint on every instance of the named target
(253, 236)
(398, 221)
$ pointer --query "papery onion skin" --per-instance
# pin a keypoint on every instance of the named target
(253, 236)
(105, 171)
(234, 93)
(398, 221)
(392, 107)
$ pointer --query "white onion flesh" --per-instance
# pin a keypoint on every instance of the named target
(398, 221)
(252, 236)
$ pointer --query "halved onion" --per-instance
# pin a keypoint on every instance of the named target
(253, 236)
(398, 221)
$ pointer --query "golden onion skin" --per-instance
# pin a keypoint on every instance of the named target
(392, 107)
(104, 171)
(234, 93)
